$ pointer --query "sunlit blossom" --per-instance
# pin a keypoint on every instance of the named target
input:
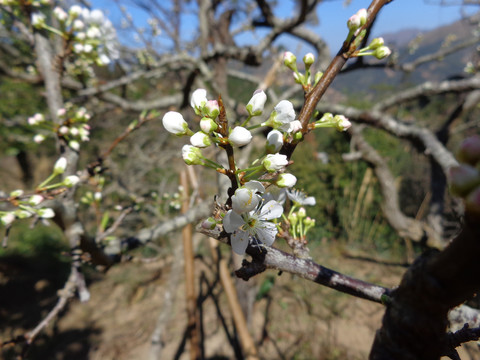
(253, 226)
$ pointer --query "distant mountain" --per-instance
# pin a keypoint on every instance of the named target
(409, 45)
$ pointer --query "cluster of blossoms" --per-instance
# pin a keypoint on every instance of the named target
(28, 205)
(88, 34)
(73, 129)
(464, 179)
(252, 216)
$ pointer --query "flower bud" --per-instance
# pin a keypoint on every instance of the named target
(294, 126)
(200, 140)
(308, 60)
(71, 181)
(382, 52)
(74, 145)
(240, 136)
(293, 219)
(192, 155)
(198, 100)
(301, 213)
(212, 109)
(38, 20)
(16, 193)
(274, 162)
(274, 141)
(36, 119)
(247, 197)
(46, 213)
(299, 78)
(60, 166)
(209, 223)
(342, 123)
(78, 25)
(290, 60)
(7, 218)
(362, 14)
(281, 116)
(376, 43)
(39, 138)
(353, 23)
(60, 14)
(208, 125)
(75, 11)
(35, 200)
(286, 180)
(257, 103)
(174, 123)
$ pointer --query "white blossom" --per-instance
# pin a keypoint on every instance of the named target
(38, 20)
(198, 100)
(71, 180)
(294, 126)
(7, 218)
(46, 213)
(60, 14)
(299, 198)
(240, 136)
(257, 103)
(275, 162)
(39, 138)
(192, 155)
(75, 11)
(274, 141)
(200, 140)
(254, 225)
(174, 123)
(208, 125)
(35, 199)
(60, 166)
(286, 180)
(247, 197)
(283, 114)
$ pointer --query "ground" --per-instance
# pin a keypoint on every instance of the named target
(296, 319)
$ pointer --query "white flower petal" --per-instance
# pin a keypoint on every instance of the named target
(232, 221)
(239, 241)
(266, 232)
(271, 210)
(255, 186)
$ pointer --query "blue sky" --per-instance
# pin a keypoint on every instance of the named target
(332, 15)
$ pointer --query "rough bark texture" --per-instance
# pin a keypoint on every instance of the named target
(414, 325)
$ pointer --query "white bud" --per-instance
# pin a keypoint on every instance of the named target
(192, 155)
(35, 199)
(198, 100)
(257, 103)
(240, 136)
(274, 141)
(200, 140)
(274, 162)
(71, 180)
(60, 166)
(174, 123)
(286, 180)
(46, 213)
(7, 218)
